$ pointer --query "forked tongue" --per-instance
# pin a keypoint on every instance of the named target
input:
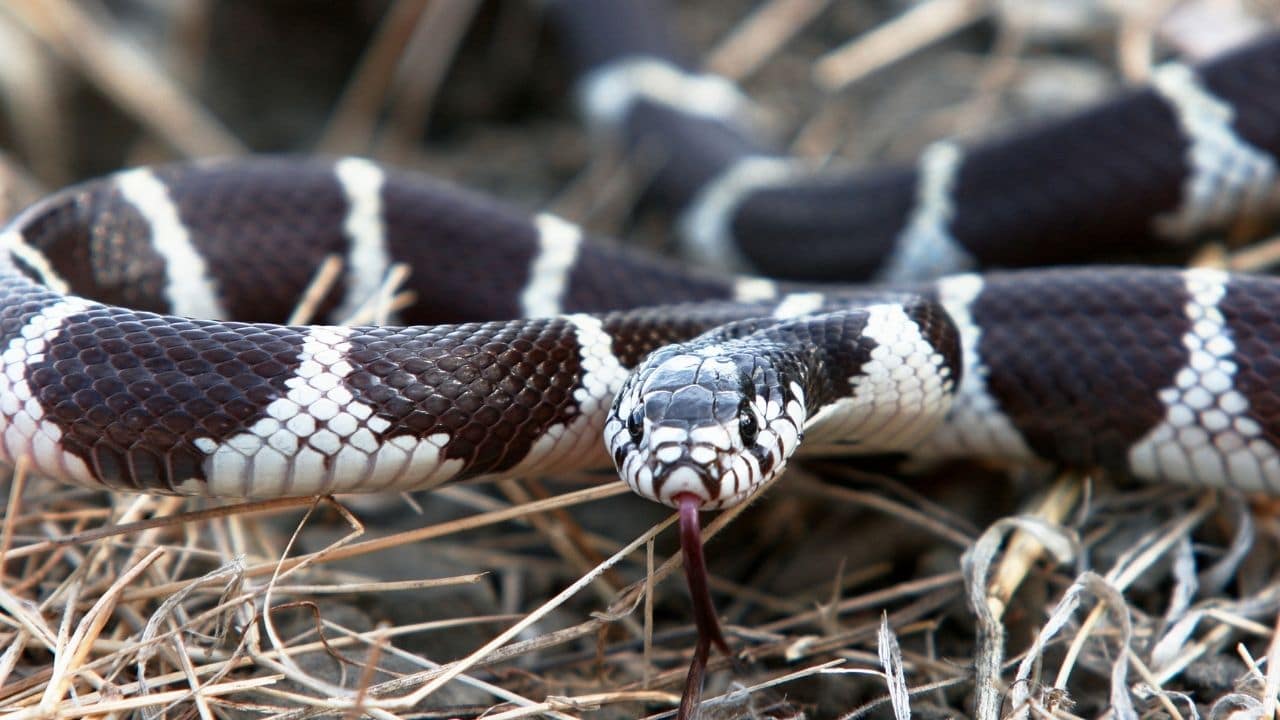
(704, 612)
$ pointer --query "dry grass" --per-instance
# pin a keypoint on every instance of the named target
(134, 604)
(971, 592)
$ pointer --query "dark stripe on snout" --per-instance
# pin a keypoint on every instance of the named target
(709, 484)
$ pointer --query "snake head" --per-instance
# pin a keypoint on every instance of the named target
(712, 424)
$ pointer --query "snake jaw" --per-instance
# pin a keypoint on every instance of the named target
(713, 487)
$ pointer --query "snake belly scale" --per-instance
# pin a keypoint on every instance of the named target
(1164, 374)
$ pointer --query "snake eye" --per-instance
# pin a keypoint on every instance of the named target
(747, 426)
(635, 424)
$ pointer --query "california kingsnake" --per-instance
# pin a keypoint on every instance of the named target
(1163, 374)
(1194, 151)
(1167, 374)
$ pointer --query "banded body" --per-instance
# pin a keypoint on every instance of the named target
(718, 415)
(1166, 374)
(1196, 150)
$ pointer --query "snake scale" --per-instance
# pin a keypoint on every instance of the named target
(141, 347)
(171, 378)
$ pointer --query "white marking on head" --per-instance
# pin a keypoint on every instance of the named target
(190, 290)
(1207, 436)
(367, 257)
(693, 422)
(558, 243)
(683, 480)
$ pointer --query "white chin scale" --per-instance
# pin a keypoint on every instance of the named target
(684, 480)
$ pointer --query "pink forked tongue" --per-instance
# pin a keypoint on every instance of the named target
(704, 612)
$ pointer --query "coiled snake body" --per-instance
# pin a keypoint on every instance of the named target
(172, 379)
(140, 350)
(1162, 373)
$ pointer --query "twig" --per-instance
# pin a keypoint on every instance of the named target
(756, 39)
(922, 25)
(422, 67)
(351, 126)
(126, 74)
(321, 283)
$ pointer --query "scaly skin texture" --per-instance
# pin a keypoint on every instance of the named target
(1163, 374)
(720, 415)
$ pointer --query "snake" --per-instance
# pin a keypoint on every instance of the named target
(1191, 151)
(144, 342)
(176, 378)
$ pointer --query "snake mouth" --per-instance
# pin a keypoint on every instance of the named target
(681, 481)
(687, 479)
